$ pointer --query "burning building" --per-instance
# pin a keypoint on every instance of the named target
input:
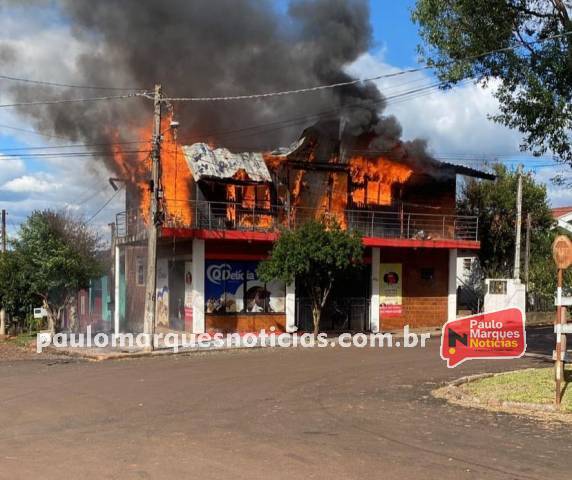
(223, 210)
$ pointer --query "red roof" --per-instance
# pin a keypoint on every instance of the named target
(560, 212)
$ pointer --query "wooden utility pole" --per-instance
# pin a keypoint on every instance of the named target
(3, 310)
(155, 221)
(518, 224)
(527, 248)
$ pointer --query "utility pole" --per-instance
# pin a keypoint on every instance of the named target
(3, 231)
(518, 224)
(2, 309)
(155, 220)
(527, 248)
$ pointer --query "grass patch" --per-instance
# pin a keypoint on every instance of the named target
(535, 385)
(23, 340)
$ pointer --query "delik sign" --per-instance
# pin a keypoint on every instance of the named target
(490, 335)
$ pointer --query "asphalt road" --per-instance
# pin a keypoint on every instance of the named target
(265, 414)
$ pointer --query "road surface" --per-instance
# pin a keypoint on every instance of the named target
(264, 414)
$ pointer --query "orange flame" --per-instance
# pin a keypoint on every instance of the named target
(374, 178)
(176, 181)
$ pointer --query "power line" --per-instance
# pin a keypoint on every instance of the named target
(144, 92)
(72, 100)
(33, 132)
(356, 81)
(70, 145)
(70, 154)
(104, 205)
(292, 122)
(67, 85)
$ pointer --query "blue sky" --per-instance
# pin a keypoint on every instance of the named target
(394, 33)
(455, 123)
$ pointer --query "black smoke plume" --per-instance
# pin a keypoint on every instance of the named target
(213, 48)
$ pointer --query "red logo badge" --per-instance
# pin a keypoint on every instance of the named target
(497, 334)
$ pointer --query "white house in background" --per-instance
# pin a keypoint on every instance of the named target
(467, 261)
(563, 216)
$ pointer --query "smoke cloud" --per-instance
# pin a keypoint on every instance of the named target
(212, 48)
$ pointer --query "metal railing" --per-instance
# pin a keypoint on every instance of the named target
(268, 218)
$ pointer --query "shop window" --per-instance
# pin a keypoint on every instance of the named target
(234, 287)
(140, 271)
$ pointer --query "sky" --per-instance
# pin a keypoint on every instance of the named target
(455, 122)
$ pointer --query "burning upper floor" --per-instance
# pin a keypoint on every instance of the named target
(324, 173)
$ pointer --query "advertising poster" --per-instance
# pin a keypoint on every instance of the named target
(188, 303)
(232, 287)
(390, 290)
(162, 292)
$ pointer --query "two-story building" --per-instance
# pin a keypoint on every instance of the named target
(223, 211)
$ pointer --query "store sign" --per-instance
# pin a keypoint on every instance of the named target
(232, 287)
(162, 295)
(390, 290)
(188, 295)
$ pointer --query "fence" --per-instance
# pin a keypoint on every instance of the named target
(236, 216)
(342, 314)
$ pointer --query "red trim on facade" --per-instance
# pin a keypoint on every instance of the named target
(411, 243)
(219, 234)
(272, 236)
(234, 256)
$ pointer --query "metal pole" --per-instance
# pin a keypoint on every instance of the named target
(518, 224)
(559, 364)
(154, 224)
(117, 278)
(3, 310)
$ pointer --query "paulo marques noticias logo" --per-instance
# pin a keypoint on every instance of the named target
(491, 335)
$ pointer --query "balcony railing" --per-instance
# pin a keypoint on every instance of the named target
(234, 216)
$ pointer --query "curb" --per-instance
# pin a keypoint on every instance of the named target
(538, 407)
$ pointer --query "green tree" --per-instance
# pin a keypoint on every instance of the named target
(535, 70)
(495, 205)
(56, 256)
(315, 255)
(15, 298)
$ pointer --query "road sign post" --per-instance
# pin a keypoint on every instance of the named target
(562, 254)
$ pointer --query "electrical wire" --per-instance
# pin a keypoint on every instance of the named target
(67, 85)
(356, 81)
(289, 123)
(295, 121)
(70, 154)
(72, 100)
(104, 205)
(33, 132)
(418, 80)
(70, 145)
(144, 92)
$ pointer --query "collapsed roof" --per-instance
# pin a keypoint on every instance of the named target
(207, 163)
(220, 163)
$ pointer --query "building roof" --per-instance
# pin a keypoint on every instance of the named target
(467, 171)
(206, 162)
(560, 212)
